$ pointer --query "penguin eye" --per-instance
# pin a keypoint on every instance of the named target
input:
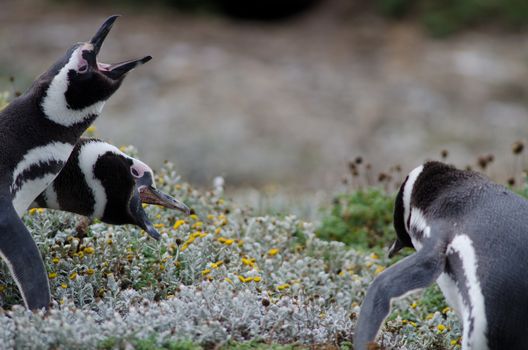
(135, 172)
(83, 68)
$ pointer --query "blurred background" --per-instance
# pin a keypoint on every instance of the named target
(273, 94)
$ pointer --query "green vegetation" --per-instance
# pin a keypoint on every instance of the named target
(362, 218)
(442, 18)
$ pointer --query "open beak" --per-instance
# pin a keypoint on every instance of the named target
(117, 70)
(151, 195)
(141, 219)
(100, 36)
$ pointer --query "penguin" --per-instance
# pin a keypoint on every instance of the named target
(471, 237)
(38, 131)
(100, 181)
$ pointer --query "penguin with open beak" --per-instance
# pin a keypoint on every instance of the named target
(99, 181)
(38, 131)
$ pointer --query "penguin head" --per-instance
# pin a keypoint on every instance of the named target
(77, 85)
(421, 188)
(129, 183)
(147, 193)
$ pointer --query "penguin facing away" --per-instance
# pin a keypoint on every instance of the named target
(100, 181)
(38, 131)
(471, 237)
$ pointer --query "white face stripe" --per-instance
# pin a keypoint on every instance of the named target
(407, 191)
(474, 312)
(29, 190)
(418, 223)
(88, 155)
(54, 103)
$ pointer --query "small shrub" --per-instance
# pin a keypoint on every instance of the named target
(362, 218)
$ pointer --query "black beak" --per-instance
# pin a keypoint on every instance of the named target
(151, 195)
(395, 248)
(101, 34)
(140, 217)
(113, 71)
(117, 70)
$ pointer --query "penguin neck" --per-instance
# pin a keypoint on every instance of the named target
(55, 108)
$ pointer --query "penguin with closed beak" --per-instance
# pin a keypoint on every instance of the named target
(470, 236)
(99, 181)
(38, 131)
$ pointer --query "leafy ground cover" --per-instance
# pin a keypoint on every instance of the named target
(223, 278)
(217, 279)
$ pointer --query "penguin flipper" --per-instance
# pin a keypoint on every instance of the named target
(19, 251)
(415, 272)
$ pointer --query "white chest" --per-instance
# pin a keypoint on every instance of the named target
(35, 171)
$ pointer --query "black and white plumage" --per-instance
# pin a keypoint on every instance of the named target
(471, 237)
(38, 131)
(100, 181)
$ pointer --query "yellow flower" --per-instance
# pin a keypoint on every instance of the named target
(229, 280)
(2, 288)
(89, 250)
(40, 210)
(64, 286)
(122, 148)
(283, 286)
(73, 276)
(194, 216)
(90, 272)
(55, 260)
(32, 211)
(441, 327)
(206, 272)
(273, 252)
(52, 275)
(80, 255)
(379, 269)
(217, 264)
(197, 224)
(91, 129)
(257, 279)
(245, 279)
(453, 342)
(161, 267)
(429, 316)
(248, 262)
(109, 242)
(413, 324)
(220, 201)
(178, 224)
(374, 256)
(159, 225)
(404, 321)
(210, 217)
(414, 305)
(445, 310)
(218, 230)
(226, 241)
(198, 234)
